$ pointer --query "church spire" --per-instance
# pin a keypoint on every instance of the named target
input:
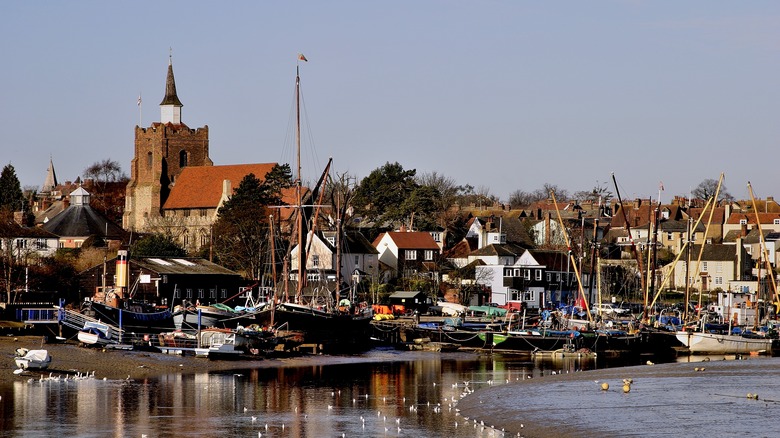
(170, 107)
(51, 178)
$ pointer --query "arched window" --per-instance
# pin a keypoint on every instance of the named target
(182, 159)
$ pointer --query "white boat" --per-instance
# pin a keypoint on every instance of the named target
(32, 359)
(718, 343)
(95, 333)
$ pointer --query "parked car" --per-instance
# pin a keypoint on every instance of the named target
(608, 309)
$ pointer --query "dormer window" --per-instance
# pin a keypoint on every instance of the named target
(743, 221)
(776, 222)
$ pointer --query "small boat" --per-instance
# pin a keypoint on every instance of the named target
(32, 359)
(725, 343)
(95, 333)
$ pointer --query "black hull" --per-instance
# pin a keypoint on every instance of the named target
(333, 332)
(543, 342)
(130, 321)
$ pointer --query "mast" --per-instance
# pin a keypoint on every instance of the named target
(298, 189)
(637, 256)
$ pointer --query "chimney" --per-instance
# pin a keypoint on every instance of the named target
(743, 230)
(547, 237)
(403, 228)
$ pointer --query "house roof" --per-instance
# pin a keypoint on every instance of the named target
(765, 218)
(352, 241)
(553, 260)
(727, 253)
(499, 250)
(82, 221)
(201, 186)
(409, 240)
(13, 230)
(751, 237)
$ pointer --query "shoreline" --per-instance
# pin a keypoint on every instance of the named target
(69, 358)
(700, 396)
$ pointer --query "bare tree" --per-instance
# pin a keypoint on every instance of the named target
(105, 171)
(706, 189)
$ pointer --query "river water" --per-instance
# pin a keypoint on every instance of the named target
(385, 393)
(388, 392)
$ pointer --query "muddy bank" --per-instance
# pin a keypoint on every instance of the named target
(696, 398)
(69, 358)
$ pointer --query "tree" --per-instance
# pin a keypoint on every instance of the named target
(11, 197)
(380, 194)
(241, 233)
(599, 192)
(105, 171)
(521, 198)
(706, 189)
(157, 245)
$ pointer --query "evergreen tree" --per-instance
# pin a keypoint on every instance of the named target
(11, 197)
(157, 245)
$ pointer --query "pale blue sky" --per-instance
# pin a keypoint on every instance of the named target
(500, 94)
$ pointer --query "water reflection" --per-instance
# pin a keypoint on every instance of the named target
(384, 393)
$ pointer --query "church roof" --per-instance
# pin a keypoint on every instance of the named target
(201, 186)
(170, 89)
(51, 179)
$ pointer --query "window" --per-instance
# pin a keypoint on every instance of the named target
(410, 254)
(223, 293)
(704, 266)
(204, 212)
(743, 221)
(436, 236)
(183, 159)
(527, 274)
(186, 212)
(549, 277)
(315, 260)
(189, 294)
(776, 222)
(213, 294)
(149, 160)
(41, 244)
(357, 260)
(669, 236)
(538, 274)
(21, 243)
(428, 254)
(204, 238)
(718, 280)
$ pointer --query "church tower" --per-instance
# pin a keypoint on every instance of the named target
(161, 152)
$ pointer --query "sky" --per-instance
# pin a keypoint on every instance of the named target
(499, 95)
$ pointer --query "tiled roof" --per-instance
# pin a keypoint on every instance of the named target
(410, 240)
(201, 186)
(716, 252)
(765, 218)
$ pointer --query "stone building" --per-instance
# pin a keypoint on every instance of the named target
(162, 151)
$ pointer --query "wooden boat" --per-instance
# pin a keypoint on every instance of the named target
(214, 315)
(95, 333)
(333, 327)
(703, 342)
(32, 359)
(532, 339)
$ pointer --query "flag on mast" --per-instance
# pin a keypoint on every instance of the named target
(302, 58)
(139, 100)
